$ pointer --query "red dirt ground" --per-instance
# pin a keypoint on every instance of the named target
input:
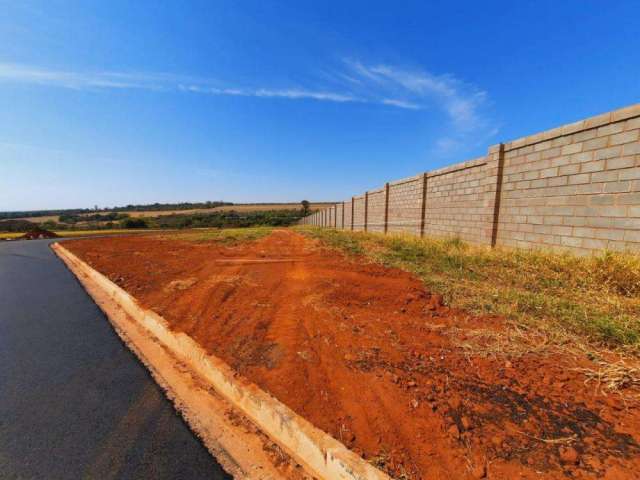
(366, 354)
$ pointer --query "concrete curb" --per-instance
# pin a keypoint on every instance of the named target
(319, 453)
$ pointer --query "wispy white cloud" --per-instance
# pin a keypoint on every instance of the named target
(352, 82)
(291, 93)
(462, 103)
(25, 74)
(416, 89)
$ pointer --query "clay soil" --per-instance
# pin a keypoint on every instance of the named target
(367, 354)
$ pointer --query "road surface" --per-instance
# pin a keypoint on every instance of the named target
(75, 403)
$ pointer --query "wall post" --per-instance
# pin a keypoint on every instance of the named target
(366, 209)
(386, 207)
(423, 206)
(496, 203)
(352, 210)
(342, 216)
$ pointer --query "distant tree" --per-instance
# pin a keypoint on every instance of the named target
(305, 207)
(133, 223)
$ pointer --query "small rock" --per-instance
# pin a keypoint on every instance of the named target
(508, 364)
(415, 403)
(411, 384)
(569, 455)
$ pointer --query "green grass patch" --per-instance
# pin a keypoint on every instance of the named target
(596, 297)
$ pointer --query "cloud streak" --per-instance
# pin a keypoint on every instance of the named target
(462, 104)
(353, 82)
(24, 74)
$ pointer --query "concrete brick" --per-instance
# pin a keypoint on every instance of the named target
(581, 178)
(627, 112)
(595, 143)
(594, 166)
(581, 157)
(594, 244)
(620, 162)
(572, 148)
(610, 129)
(608, 153)
(615, 187)
(584, 135)
(569, 169)
(605, 176)
(632, 123)
(624, 137)
(571, 242)
(631, 149)
(602, 200)
(632, 236)
(628, 198)
(630, 174)
(584, 232)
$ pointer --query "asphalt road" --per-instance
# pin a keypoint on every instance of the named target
(75, 403)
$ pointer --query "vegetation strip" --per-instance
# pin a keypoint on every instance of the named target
(593, 299)
(322, 455)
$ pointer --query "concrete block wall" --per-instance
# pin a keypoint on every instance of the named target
(575, 187)
(358, 219)
(460, 201)
(376, 210)
(405, 205)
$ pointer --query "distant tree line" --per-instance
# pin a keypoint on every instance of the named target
(126, 208)
(92, 217)
(221, 219)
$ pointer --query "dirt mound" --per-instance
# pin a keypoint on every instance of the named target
(38, 233)
(368, 355)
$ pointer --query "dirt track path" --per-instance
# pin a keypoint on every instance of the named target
(368, 355)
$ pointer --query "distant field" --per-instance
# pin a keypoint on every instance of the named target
(158, 213)
(83, 233)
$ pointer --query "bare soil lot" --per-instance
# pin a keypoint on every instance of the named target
(369, 355)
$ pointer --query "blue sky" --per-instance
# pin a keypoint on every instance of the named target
(120, 102)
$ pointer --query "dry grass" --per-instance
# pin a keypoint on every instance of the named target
(111, 231)
(84, 233)
(612, 377)
(10, 235)
(549, 298)
(228, 236)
